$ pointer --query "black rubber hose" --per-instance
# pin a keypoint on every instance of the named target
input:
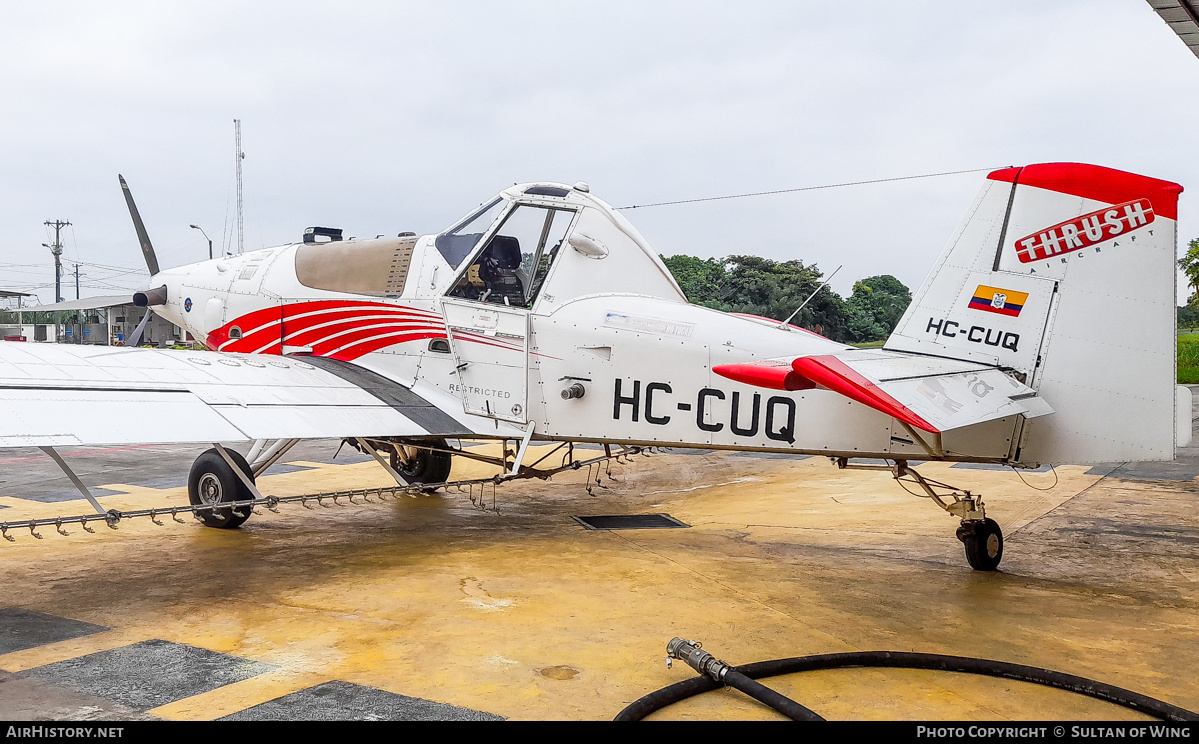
(659, 699)
(767, 696)
(906, 660)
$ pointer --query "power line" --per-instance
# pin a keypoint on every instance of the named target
(806, 188)
(117, 269)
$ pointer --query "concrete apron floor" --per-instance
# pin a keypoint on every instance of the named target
(527, 615)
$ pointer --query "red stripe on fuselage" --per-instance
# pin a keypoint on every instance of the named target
(262, 332)
(350, 337)
(333, 332)
(366, 347)
(339, 329)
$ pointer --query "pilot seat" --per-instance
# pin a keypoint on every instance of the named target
(499, 270)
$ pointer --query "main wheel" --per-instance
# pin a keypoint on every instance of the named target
(417, 465)
(212, 481)
(984, 543)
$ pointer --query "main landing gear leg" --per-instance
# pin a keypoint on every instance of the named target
(411, 462)
(981, 536)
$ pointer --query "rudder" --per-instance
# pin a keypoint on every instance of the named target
(1064, 274)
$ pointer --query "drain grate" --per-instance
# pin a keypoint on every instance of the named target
(630, 522)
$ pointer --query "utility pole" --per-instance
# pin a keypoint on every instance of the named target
(238, 156)
(76, 281)
(56, 249)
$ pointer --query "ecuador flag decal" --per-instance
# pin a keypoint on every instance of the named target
(995, 300)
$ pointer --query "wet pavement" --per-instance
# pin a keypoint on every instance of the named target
(451, 607)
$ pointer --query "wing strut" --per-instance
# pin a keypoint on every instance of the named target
(520, 453)
(379, 459)
(271, 455)
(241, 476)
(111, 516)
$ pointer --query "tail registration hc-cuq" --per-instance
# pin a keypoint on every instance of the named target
(1043, 334)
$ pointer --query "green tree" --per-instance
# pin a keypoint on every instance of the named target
(1189, 264)
(875, 307)
(700, 279)
(774, 289)
(1188, 316)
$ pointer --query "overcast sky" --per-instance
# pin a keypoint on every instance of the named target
(379, 117)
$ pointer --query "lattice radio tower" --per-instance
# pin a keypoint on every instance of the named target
(238, 156)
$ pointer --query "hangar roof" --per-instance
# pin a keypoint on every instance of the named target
(87, 303)
(1183, 17)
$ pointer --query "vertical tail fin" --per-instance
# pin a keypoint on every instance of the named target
(1064, 274)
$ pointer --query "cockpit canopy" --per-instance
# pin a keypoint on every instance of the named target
(513, 265)
(550, 240)
(536, 243)
(457, 242)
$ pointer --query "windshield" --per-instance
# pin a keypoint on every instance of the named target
(517, 259)
(456, 243)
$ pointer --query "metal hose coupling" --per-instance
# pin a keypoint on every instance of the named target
(696, 658)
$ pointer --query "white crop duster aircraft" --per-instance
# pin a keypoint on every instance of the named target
(1045, 333)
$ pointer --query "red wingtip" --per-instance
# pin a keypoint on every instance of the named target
(830, 372)
(836, 375)
(771, 375)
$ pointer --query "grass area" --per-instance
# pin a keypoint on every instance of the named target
(1188, 358)
(870, 344)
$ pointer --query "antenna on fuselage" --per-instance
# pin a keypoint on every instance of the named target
(787, 322)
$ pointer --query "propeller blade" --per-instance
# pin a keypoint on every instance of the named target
(136, 338)
(142, 237)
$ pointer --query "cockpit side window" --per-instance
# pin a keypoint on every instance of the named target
(551, 244)
(457, 242)
(512, 267)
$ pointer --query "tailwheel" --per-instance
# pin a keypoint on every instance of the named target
(984, 543)
(212, 481)
(419, 465)
(981, 536)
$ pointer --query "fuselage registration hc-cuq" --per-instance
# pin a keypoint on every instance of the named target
(1044, 333)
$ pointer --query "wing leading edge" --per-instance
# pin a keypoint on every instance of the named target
(930, 393)
(78, 395)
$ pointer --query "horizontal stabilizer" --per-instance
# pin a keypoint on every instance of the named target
(928, 393)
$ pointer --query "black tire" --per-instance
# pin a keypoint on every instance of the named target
(984, 543)
(425, 466)
(212, 481)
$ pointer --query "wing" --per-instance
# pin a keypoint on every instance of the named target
(68, 395)
(930, 393)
